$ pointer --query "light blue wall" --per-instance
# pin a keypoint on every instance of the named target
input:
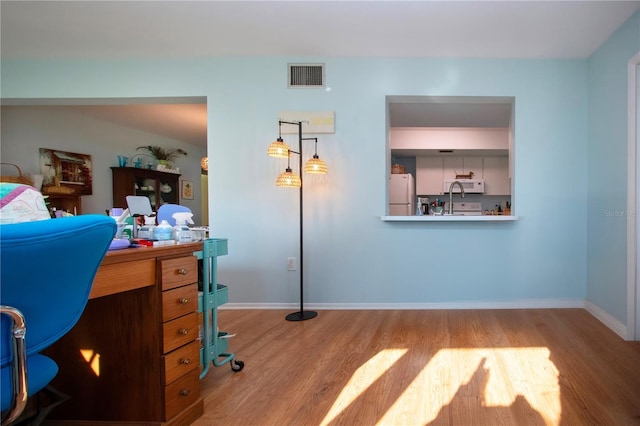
(607, 170)
(351, 255)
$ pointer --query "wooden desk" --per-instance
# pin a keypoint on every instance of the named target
(134, 355)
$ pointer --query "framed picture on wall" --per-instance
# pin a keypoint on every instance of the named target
(186, 190)
(65, 172)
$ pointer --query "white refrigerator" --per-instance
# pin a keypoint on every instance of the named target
(402, 195)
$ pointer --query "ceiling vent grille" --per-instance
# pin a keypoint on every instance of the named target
(306, 75)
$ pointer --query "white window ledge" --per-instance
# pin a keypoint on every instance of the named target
(450, 218)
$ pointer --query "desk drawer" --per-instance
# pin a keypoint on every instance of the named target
(178, 272)
(181, 393)
(120, 277)
(179, 301)
(181, 361)
(179, 331)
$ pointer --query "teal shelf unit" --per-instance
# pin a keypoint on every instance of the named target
(214, 348)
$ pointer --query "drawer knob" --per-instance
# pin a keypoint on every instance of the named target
(185, 361)
(184, 300)
(182, 271)
(185, 392)
(183, 331)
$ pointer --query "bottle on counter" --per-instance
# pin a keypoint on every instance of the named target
(163, 232)
(181, 232)
(127, 231)
(147, 230)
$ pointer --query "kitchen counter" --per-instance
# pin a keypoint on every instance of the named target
(450, 218)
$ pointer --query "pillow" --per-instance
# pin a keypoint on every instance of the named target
(21, 203)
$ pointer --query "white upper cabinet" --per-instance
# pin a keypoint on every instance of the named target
(452, 165)
(429, 175)
(495, 173)
(432, 171)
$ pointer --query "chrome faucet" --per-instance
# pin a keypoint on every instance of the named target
(451, 194)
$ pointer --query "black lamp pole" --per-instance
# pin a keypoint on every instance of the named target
(301, 315)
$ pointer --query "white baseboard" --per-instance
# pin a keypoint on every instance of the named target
(615, 325)
(509, 304)
(619, 328)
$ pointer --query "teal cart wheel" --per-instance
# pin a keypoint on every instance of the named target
(237, 365)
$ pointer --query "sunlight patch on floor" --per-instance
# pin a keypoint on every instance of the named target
(503, 381)
(363, 377)
(499, 376)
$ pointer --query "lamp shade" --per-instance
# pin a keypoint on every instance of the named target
(204, 163)
(316, 166)
(288, 179)
(278, 149)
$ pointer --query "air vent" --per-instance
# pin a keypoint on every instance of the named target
(306, 75)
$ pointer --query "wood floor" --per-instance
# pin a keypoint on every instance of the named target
(487, 367)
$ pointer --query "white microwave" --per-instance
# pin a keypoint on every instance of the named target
(472, 186)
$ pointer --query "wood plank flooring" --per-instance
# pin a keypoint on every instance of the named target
(443, 367)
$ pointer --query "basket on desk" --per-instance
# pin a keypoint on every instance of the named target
(16, 179)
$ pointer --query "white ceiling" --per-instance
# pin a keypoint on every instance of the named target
(145, 29)
(495, 29)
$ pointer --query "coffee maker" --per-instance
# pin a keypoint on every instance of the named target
(423, 204)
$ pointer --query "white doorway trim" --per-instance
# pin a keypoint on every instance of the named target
(633, 293)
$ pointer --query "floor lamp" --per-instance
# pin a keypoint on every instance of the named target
(288, 179)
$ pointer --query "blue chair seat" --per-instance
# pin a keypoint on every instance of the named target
(41, 370)
(47, 269)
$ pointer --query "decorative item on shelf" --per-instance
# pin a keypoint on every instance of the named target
(289, 179)
(137, 161)
(397, 169)
(467, 176)
(167, 169)
(21, 178)
(164, 156)
(165, 188)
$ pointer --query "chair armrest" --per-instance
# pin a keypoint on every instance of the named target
(18, 365)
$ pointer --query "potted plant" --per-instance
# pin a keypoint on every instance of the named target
(163, 155)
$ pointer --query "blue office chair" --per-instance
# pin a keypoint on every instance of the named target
(166, 211)
(46, 272)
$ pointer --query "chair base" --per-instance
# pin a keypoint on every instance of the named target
(39, 406)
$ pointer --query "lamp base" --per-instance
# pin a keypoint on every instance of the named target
(301, 316)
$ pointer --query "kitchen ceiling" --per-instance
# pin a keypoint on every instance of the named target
(449, 114)
(146, 29)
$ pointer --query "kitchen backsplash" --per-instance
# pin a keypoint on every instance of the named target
(489, 202)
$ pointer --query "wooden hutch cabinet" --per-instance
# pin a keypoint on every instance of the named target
(160, 187)
(65, 202)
